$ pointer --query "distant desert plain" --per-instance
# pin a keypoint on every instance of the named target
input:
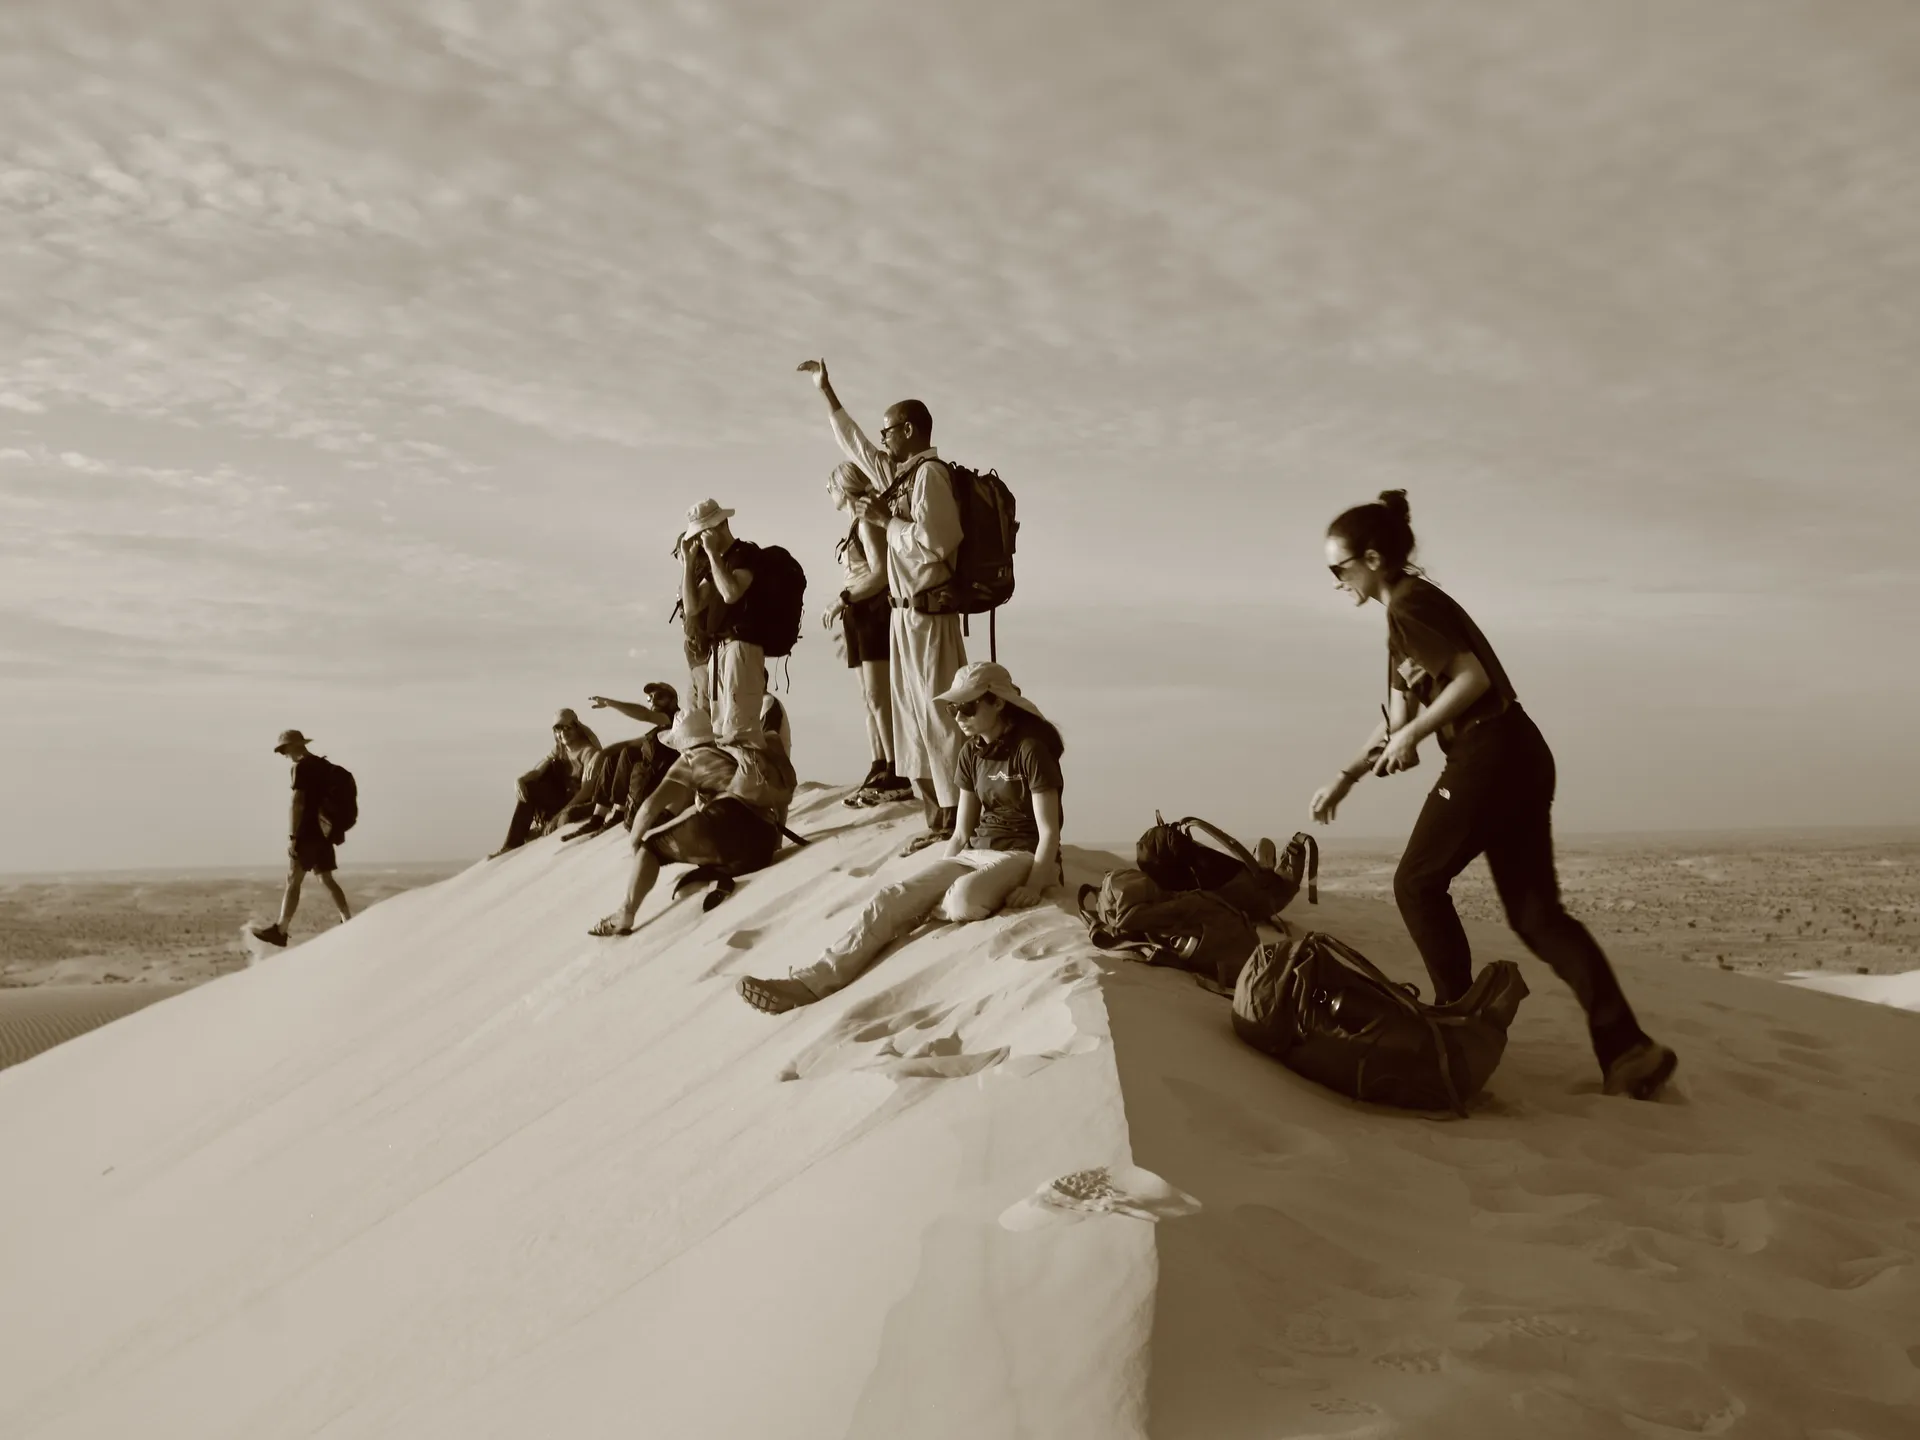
(77, 951)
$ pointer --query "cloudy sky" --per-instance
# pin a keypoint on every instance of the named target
(357, 360)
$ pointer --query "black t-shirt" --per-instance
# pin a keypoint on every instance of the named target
(309, 783)
(1426, 629)
(1006, 775)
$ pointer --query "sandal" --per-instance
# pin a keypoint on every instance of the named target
(922, 841)
(608, 926)
(774, 997)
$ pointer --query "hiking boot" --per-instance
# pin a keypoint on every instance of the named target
(890, 789)
(1641, 1071)
(774, 997)
(271, 934)
(592, 827)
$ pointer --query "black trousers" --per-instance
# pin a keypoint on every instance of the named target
(1495, 798)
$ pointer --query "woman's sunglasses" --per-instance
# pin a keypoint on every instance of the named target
(965, 708)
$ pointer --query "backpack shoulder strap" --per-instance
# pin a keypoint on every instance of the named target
(1234, 847)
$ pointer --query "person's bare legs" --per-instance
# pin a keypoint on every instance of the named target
(666, 801)
(290, 901)
(339, 896)
(877, 681)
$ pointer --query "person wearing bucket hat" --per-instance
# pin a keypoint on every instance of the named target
(721, 808)
(308, 846)
(922, 521)
(602, 799)
(1004, 851)
(735, 682)
(864, 617)
(545, 791)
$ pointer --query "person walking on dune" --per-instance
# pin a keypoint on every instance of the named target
(1003, 853)
(309, 847)
(1493, 797)
(922, 523)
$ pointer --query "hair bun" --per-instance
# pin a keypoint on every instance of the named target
(1396, 502)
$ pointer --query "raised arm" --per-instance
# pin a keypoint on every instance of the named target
(857, 447)
(645, 714)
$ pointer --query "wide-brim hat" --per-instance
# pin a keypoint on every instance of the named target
(690, 728)
(288, 739)
(704, 516)
(984, 677)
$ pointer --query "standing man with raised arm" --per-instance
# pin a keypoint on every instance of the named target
(923, 535)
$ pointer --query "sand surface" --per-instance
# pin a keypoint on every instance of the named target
(40, 1018)
(457, 1169)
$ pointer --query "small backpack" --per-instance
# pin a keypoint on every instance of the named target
(1170, 854)
(1192, 930)
(769, 614)
(1326, 1012)
(339, 803)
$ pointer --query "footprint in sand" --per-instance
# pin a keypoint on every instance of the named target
(1411, 1362)
(1317, 1335)
(1344, 1406)
(1800, 1038)
(1103, 1190)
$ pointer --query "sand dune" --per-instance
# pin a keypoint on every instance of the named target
(457, 1168)
(32, 1020)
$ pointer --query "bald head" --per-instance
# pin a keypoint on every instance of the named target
(906, 429)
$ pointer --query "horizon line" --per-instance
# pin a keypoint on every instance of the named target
(1370, 840)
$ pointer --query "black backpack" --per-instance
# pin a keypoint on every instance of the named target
(1326, 1012)
(1176, 861)
(769, 614)
(982, 578)
(339, 802)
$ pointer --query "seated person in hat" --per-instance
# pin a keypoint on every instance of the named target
(544, 791)
(308, 845)
(601, 800)
(1005, 848)
(722, 808)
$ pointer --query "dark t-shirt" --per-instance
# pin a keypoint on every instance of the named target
(1426, 629)
(309, 782)
(1006, 775)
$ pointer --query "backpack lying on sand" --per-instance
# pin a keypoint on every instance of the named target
(1191, 930)
(1170, 854)
(1324, 1010)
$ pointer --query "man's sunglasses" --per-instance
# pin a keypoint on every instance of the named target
(886, 430)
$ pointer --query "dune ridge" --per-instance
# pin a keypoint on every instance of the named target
(457, 1168)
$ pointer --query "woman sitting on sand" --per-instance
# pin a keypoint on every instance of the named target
(1493, 797)
(1005, 848)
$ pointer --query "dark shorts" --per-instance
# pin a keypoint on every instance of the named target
(866, 623)
(313, 852)
(726, 834)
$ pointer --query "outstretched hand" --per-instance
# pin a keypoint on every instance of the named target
(598, 702)
(1326, 800)
(817, 369)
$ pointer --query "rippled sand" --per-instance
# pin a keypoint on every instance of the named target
(36, 1019)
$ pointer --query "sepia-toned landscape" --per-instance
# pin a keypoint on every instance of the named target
(79, 951)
